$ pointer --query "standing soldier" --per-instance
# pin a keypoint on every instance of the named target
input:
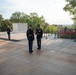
(39, 34)
(30, 37)
(8, 32)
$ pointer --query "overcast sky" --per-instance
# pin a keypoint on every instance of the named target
(52, 10)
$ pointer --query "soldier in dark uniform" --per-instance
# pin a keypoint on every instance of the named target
(30, 37)
(8, 32)
(39, 34)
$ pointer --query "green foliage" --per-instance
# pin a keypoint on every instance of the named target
(47, 30)
(32, 19)
(66, 36)
(71, 7)
(55, 29)
(72, 36)
(51, 29)
(6, 23)
(1, 19)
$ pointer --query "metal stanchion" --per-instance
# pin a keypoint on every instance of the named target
(75, 36)
(46, 35)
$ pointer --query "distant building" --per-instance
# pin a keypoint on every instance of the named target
(60, 28)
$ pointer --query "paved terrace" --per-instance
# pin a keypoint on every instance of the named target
(57, 56)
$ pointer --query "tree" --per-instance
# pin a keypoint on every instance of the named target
(6, 23)
(31, 19)
(51, 29)
(48, 29)
(55, 29)
(1, 19)
(71, 7)
(16, 17)
(35, 20)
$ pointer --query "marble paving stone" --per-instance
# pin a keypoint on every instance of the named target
(56, 57)
(26, 70)
(70, 51)
(10, 67)
(58, 69)
(65, 60)
(41, 71)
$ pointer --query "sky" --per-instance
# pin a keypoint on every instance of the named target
(52, 10)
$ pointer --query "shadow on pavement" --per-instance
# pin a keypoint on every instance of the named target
(10, 40)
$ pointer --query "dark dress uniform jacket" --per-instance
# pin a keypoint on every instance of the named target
(39, 33)
(8, 30)
(30, 34)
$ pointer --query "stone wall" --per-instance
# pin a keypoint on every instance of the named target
(19, 27)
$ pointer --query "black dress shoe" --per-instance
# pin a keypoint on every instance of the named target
(38, 48)
(30, 51)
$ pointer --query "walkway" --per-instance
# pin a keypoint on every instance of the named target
(57, 57)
